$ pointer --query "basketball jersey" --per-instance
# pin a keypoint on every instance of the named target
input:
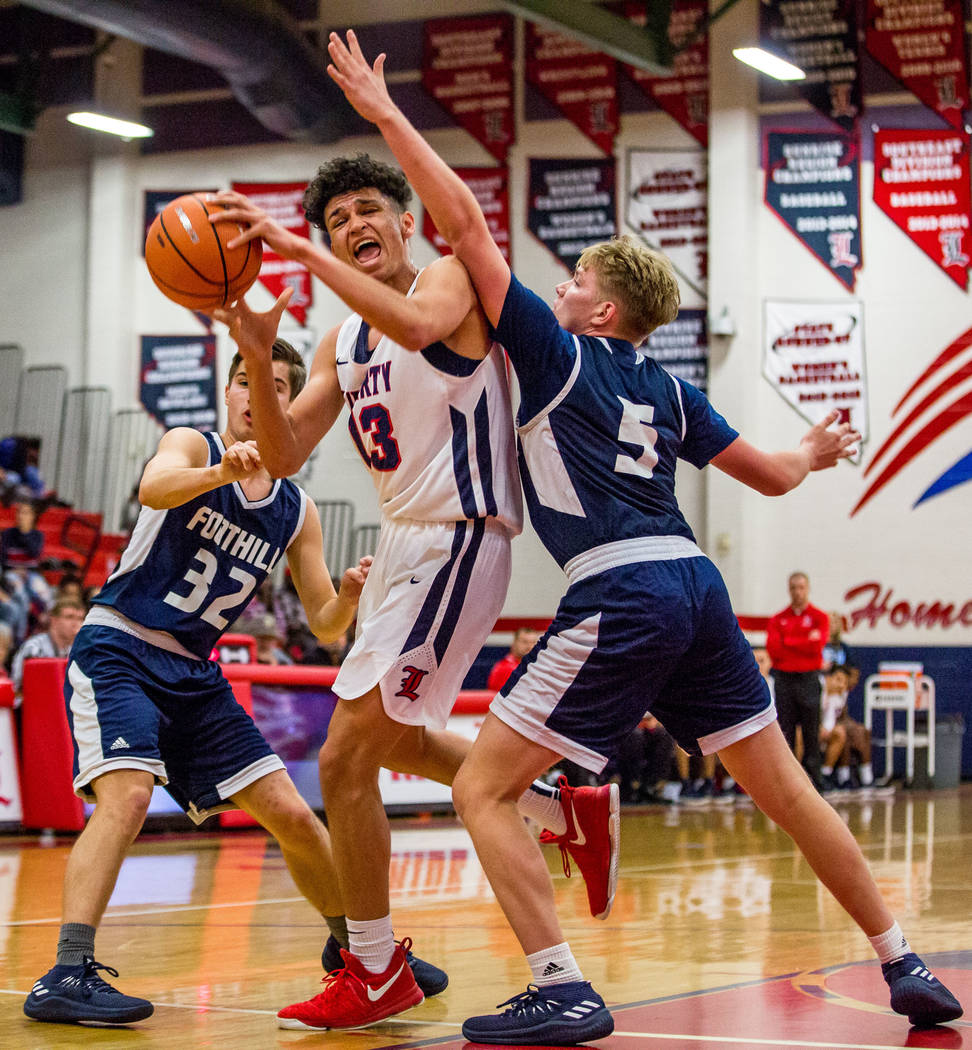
(434, 428)
(189, 571)
(600, 428)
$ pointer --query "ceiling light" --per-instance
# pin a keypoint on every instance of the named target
(770, 64)
(125, 129)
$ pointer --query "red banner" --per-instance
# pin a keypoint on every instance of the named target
(921, 182)
(685, 94)
(467, 67)
(491, 187)
(923, 46)
(581, 83)
(282, 201)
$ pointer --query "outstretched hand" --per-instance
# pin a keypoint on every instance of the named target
(363, 85)
(826, 446)
(253, 333)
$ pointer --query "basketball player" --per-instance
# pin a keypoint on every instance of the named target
(646, 619)
(147, 705)
(430, 416)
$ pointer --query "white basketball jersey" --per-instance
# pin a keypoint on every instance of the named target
(434, 428)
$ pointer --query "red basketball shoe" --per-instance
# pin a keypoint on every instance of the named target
(353, 997)
(592, 839)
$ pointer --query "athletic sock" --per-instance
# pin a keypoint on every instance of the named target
(75, 944)
(843, 774)
(890, 945)
(372, 941)
(338, 925)
(866, 774)
(541, 802)
(554, 965)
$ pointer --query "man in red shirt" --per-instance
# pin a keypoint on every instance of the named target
(795, 639)
(524, 639)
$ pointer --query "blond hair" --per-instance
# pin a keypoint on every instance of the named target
(638, 280)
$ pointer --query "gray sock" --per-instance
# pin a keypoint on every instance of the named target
(75, 943)
(338, 925)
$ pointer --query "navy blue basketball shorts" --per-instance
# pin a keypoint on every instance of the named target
(132, 705)
(656, 636)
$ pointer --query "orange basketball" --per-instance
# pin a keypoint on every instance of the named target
(188, 257)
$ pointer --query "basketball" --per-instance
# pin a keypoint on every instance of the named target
(188, 257)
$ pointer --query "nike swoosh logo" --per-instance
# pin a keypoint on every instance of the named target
(374, 994)
(341, 361)
(413, 580)
(581, 837)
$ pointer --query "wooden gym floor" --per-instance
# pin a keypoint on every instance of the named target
(720, 938)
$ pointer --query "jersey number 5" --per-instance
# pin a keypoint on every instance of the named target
(635, 430)
(375, 421)
(202, 582)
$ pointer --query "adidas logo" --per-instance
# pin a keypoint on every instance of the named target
(920, 971)
(119, 744)
(551, 969)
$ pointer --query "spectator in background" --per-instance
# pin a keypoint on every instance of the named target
(70, 586)
(6, 646)
(22, 544)
(644, 762)
(524, 639)
(19, 457)
(21, 548)
(795, 639)
(836, 653)
(263, 626)
(65, 622)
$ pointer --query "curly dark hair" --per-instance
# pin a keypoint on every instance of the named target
(344, 174)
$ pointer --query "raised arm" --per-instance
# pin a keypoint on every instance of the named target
(329, 612)
(179, 471)
(449, 201)
(775, 473)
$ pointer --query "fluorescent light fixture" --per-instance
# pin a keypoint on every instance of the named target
(770, 64)
(125, 129)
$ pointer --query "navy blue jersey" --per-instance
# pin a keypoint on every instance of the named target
(600, 427)
(190, 570)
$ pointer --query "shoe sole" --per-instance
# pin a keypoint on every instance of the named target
(614, 837)
(544, 1035)
(294, 1024)
(67, 1016)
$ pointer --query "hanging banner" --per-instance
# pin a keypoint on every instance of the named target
(685, 94)
(822, 39)
(572, 205)
(813, 355)
(467, 67)
(813, 183)
(581, 83)
(682, 347)
(668, 204)
(922, 45)
(282, 201)
(490, 187)
(177, 384)
(921, 182)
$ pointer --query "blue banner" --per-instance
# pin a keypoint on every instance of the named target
(178, 380)
(682, 347)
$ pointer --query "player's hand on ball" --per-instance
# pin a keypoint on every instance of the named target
(256, 223)
(363, 85)
(826, 446)
(241, 460)
(253, 332)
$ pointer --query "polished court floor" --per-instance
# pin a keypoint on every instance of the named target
(719, 938)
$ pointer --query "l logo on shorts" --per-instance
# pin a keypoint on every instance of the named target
(411, 680)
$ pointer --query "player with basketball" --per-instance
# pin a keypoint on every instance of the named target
(430, 416)
(646, 620)
(147, 705)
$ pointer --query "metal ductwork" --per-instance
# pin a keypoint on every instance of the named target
(253, 44)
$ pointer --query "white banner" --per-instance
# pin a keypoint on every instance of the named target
(813, 355)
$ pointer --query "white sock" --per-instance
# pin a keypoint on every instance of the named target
(890, 945)
(825, 771)
(541, 803)
(372, 941)
(554, 965)
(866, 774)
(843, 774)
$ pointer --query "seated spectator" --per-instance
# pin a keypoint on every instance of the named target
(524, 639)
(264, 629)
(856, 747)
(644, 762)
(833, 735)
(836, 652)
(21, 545)
(19, 475)
(65, 621)
(70, 586)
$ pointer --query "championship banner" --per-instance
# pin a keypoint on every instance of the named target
(822, 39)
(177, 384)
(685, 94)
(813, 183)
(813, 355)
(490, 187)
(282, 202)
(467, 67)
(581, 83)
(922, 45)
(668, 204)
(921, 182)
(682, 347)
(572, 205)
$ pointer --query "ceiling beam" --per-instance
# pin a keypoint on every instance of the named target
(647, 48)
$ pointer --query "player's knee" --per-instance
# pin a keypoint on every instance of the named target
(126, 805)
(464, 793)
(295, 823)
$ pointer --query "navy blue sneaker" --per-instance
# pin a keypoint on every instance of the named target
(918, 993)
(555, 1015)
(429, 978)
(76, 995)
